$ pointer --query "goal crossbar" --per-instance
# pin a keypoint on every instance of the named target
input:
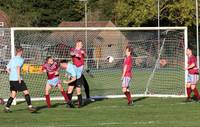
(96, 28)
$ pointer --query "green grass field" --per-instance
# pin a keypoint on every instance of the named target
(146, 112)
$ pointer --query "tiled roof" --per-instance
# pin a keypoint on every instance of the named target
(89, 24)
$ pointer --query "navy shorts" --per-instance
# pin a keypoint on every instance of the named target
(18, 87)
(78, 83)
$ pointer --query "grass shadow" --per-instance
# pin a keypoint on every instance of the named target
(139, 99)
(46, 107)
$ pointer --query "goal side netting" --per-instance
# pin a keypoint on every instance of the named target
(158, 62)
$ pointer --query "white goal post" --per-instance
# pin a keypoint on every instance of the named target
(157, 73)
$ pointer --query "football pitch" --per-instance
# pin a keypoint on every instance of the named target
(146, 112)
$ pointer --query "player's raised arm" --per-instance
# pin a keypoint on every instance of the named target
(72, 52)
(83, 52)
(44, 70)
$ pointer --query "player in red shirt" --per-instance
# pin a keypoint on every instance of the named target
(51, 68)
(78, 55)
(127, 74)
(193, 75)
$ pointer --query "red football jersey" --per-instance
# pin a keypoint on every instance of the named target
(192, 60)
(78, 58)
(128, 61)
(51, 69)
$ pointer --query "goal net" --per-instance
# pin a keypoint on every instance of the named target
(158, 61)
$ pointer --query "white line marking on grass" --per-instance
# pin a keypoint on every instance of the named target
(104, 124)
(84, 125)
(145, 122)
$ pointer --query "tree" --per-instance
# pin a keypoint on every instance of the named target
(100, 10)
(134, 12)
(144, 12)
(42, 12)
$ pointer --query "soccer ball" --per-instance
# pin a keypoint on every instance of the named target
(163, 62)
(109, 59)
(2, 102)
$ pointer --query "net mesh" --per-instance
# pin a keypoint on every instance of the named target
(5, 55)
(158, 75)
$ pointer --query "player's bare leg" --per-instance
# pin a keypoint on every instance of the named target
(10, 100)
(70, 92)
(47, 96)
(63, 92)
(69, 95)
(126, 91)
(78, 91)
(28, 101)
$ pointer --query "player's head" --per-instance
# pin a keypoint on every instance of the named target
(79, 44)
(19, 50)
(49, 60)
(128, 50)
(63, 64)
(189, 51)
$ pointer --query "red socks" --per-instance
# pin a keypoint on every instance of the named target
(189, 92)
(48, 101)
(65, 96)
(128, 95)
(196, 93)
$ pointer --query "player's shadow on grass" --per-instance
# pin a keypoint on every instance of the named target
(52, 106)
(43, 106)
(21, 102)
(139, 99)
(87, 102)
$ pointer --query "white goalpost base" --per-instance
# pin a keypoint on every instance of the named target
(102, 97)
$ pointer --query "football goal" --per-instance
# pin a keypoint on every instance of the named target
(158, 60)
